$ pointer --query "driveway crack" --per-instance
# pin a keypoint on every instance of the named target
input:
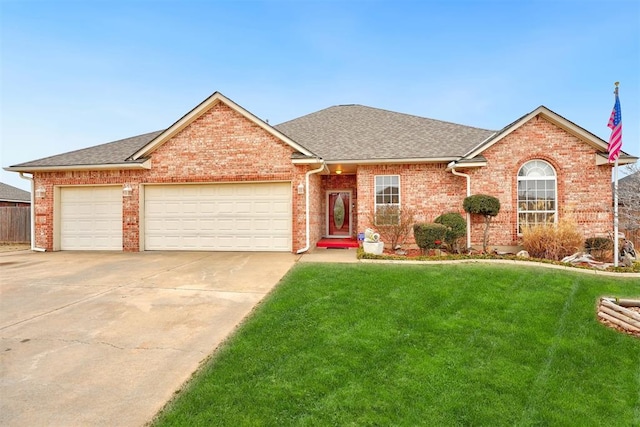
(105, 343)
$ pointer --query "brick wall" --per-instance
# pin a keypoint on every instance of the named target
(584, 189)
(427, 189)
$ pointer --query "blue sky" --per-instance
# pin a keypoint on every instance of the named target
(81, 73)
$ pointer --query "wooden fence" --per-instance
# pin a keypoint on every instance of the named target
(15, 224)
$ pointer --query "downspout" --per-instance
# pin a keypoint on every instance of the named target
(33, 213)
(306, 192)
(453, 171)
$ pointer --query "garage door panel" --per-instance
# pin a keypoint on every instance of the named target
(224, 206)
(241, 216)
(280, 225)
(91, 218)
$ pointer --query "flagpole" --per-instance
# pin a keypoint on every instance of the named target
(615, 202)
(615, 213)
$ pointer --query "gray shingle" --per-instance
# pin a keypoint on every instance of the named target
(110, 153)
(9, 193)
(345, 132)
(356, 132)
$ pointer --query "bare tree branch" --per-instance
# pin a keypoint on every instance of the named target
(629, 199)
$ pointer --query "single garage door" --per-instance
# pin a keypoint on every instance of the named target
(91, 218)
(218, 217)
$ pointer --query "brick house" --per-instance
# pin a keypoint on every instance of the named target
(220, 178)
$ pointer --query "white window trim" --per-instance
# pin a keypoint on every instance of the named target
(375, 194)
(536, 178)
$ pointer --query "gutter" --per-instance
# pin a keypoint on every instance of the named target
(108, 166)
(452, 167)
(33, 212)
(306, 191)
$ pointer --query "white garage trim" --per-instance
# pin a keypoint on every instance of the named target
(90, 218)
(218, 217)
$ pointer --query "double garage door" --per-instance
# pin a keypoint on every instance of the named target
(211, 217)
(218, 217)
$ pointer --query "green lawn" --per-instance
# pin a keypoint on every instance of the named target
(388, 344)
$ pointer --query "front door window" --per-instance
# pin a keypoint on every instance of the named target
(339, 214)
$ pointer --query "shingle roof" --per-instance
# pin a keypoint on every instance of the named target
(115, 152)
(9, 193)
(356, 132)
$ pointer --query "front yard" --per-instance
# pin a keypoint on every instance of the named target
(459, 344)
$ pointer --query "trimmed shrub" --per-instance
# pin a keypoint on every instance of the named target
(553, 241)
(429, 235)
(456, 229)
(481, 204)
(485, 205)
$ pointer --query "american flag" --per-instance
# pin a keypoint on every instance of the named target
(615, 123)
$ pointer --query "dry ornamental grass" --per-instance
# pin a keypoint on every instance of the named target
(555, 243)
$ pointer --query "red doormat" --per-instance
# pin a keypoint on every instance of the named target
(338, 243)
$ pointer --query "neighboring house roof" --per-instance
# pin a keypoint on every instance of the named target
(359, 133)
(9, 193)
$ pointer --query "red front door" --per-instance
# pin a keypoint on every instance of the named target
(339, 214)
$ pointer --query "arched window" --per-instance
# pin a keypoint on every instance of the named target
(537, 195)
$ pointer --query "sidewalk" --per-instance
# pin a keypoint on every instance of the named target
(350, 256)
(330, 255)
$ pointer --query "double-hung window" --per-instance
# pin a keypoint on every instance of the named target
(537, 195)
(387, 203)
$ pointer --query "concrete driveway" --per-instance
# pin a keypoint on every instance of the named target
(107, 338)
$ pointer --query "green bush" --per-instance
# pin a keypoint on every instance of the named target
(481, 204)
(487, 206)
(456, 228)
(429, 235)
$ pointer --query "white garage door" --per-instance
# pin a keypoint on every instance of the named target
(91, 218)
(218, 217)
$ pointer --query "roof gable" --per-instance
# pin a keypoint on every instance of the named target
(556, 119)
(198, 111)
